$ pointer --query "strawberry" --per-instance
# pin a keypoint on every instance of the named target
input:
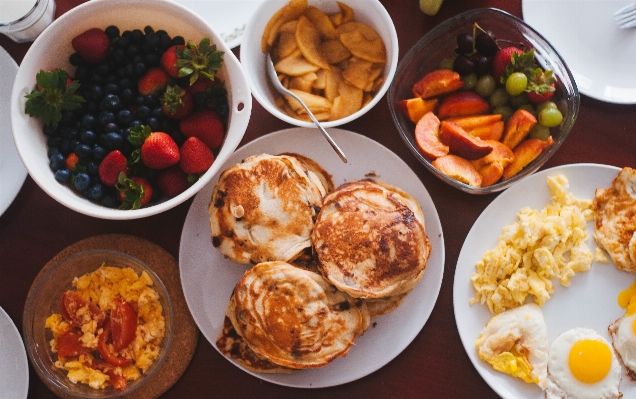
(540, 86)
(71, 161)
(154, 81)
(169, 61)
(113, 164)
(198, 60)
(176, 102)
(501, 61)
(134, 192)
(196, 157)
(52, 95)
(172, 181)
(200, 85)
(93, 45)
(206, 125)
(157, 150)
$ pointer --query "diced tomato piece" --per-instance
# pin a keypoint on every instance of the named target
(69, 345)
(117, 381)
(105, 351)
(72, 302)
(123, 322)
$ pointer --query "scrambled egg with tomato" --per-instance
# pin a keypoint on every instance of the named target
(542, 245)
(84, 324)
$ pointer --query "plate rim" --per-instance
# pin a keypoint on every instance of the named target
(16, 340)
(460, 280)
(431, 295)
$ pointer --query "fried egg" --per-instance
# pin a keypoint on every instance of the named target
(623, 331)
(582, 365)
(515, 342)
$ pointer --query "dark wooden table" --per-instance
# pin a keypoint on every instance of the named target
(35, 228)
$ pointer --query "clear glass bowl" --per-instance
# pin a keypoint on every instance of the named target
(439, 44)
(45, 300)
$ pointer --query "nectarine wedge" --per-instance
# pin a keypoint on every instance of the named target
(461, 143)
(427, 136)
(526, 152)
(438, 82)
(488, 132)
(463, 103)
(490, 173)
(415, 108)
(459, 169)
(517, 127)
(474, 121)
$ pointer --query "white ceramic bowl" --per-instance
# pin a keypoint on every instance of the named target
(370, 12)
(52, 49)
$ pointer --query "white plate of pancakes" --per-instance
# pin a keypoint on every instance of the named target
(591, 300)
(208, 278)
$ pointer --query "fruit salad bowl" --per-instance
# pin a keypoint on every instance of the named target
(52, 50)
(435, 56)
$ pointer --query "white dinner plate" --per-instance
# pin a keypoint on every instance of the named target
(591, 300)
(208, 278)
(601, 56)
(228, 17)
(12, 170)
(14, 369)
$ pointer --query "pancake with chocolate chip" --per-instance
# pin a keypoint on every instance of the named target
(370, 239)
(263, 209)
(293, 317)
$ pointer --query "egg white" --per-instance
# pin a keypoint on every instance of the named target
(624, 340)
(561, 382)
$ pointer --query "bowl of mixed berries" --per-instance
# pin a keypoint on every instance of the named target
(122, 110)
(483, 100)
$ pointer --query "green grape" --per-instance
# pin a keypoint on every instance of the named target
(550, 117)
(529, 108)
(519, 100)
(469, 81)
(547, 104)
(485, 85)
(540, 132)
(447, 63)
(504, 110)
(516, 83)
(499, 97)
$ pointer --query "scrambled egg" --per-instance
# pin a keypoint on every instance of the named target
(542, 245)
(102, 287)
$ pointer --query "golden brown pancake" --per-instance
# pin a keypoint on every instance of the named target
(263, 209)
(378, 307)
(370, 239)
(293, 317)
(615, 219)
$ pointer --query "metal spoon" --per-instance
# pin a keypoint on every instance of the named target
(273, 76)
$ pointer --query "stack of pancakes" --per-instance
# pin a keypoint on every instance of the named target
(326, 260)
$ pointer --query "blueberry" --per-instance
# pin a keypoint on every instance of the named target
(112, 31)
(222, 109)
(113, 103)
(110, 200)
(143, 111)
(137, 35)
(125, 83)
(98, 79)
(92, 107)
(96, 92)
(164, 40)
(157, 112)
(99, 153)
(178, 40)
(124, 117)
(66, 147)
(151, 99)
(132, 50)
(153, 123)
(139, 100)
(112, 88)
(82, 73)
(151, 40)
(111, 127)
(112, 140)
(102, 69)
(140, 68)
(112, 78)
(75, 59)
(97, 191)
(84, 151)
(152, 60)
(54, 141)
(52, 151)
(130, 69)
(48, 130)
(118, 55)
(127, 96)
(148, 29)
(88, 136)
(124, 41)
(106, 117)
(62, 175)
(88, 121)
(57, 161)
(177, 136)
(72, 133)
(199, 99)
(68, 116)
(92, 168)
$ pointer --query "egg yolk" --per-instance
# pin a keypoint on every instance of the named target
(590, 360)
(627, 299)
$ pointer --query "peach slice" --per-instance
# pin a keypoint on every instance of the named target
(461, 143)
(517, 127)
(463, 103)
(475, 121)
(491, 166)
(490, 173)
(459, 169)
(427, 136)
(488, 132)
(526, 152)
(440, 81)
(415, 108)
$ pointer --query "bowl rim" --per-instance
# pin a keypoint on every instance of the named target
(247, 48)
(536, 164)
(239, 98)
(29, 341)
